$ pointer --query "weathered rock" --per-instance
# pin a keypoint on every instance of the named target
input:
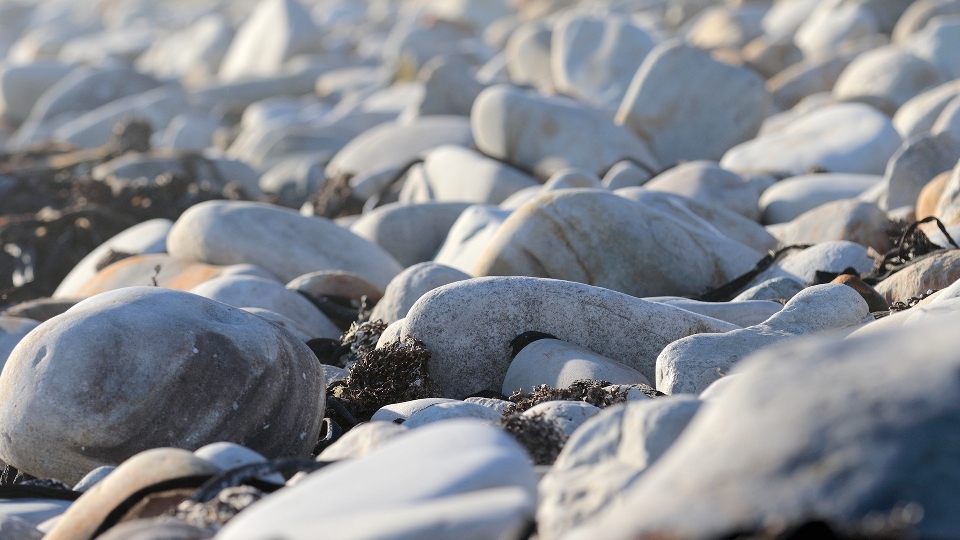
(847, 137)
(788, 199)
(690, 364)
(558, 365)
(452, 479)
(468, 326)
(570, 235)
(103, 396)
(276, 31)
(411, 233)
(858, 425)
(932, 273)
(409, 285)
(706, 182)
(546, 134)
(280, 240)
(856, 221)
(688, 106)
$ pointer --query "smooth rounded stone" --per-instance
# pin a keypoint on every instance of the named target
(568, 415)
(155, 529)
(333, 373)
(930, 195)
(708, 183)
(788, 199)
(276, 31)
(33, 512)
(185, 132)
(40, 309)
(409, 285)
(583, 236)
(918, 115)
(609, 453)
(248, 291)
(948, 205)
(779, 288)
(716, 388)
(558, 365)
(527, 53)
(227, 456)
(919, 14)
(103, 396)
(917, 162)
(886, 78)
(856, 221)
(932, 273)
(411, 233)
(378, 154)
(949, 120)
(939, 44)
(952, 292)
(784, 17)
(499, 405)
(689, 365)
(719, 27)
(777, 122)
(93, 477)
(819, 400)
(148, 468)
(279, 240)
(398, 413)
(450, 410)
(95, 128)
(456, 174)
(475, 13)
(194, 52)
(337, 284)
(769, 57)
(295, 178)
(572, 178)
(923, 313)
(12, 332)
(429, 483)
(361, 440)
(833, 24)
(687, 106)
(147, 237)
(834, 256)
(874, 300)
(521, 198)
(626, 174)
(468, 326)
(81, 90)
(450, 87)
(469, 236)
(743, 313)
(22, 86)
(807, 78)
(842, 138)
(548, 134)
(219, 172)
(705, 215)
(166, 271)
(594, 58)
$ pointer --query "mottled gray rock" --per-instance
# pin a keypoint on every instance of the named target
(609, 453)
(558, 365)
(598, 238)
(547, 134)
(688, 106)
(689, 365)
(468, 326)
(708, 183)
(280, 240)
(104, 395)
(411, 233)
(858, 425)
(409, 285)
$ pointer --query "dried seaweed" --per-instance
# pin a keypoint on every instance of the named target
(590, 391)
(213, 515)
(540, 436)
(356, 338)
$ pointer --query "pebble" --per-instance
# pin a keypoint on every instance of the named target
(788, 199)
(558, 365)
(405, 289)
(411, 233)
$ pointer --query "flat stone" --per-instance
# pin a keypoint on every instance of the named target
(547, 134)
(411, 233)
(451, 479)
(527, 53)
(569, 235)
(558, 365)
(409, 285)
(691, 364)
(742, 313)
(397, 413)
(708, 183)
(778, 288)
(104, 396)
(468, 326)
(932, 273)
(688, 106)
(856, 221)
(276, 31)
(450, 410)
(842, 138)
(279, 240)
(789, 198)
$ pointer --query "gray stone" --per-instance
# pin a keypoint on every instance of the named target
(691, 364)
(449, 88)
(806, 78)
(568, 415)
(276, 31)
(688, 106)
(22, 86)
(778, 288)
(468, 326)
(92, 478)
(788, 199)
(105, 396)
(834, 24)
(361, 440)
(917, 116)
(708, 183)
(834, 256)
(397, 413)
(859, 426)
(949, 120)
(195, 52)
(856, 221)
(12, 332)
(558, 365)
(570, 179)
(409, 285)
(598, 238)
(297, 329)
(626, 174)
(411, 233)
(469, 236)
(886, 78)
(918, 16)
(547, 134)
(718, 27)
(528, 55)
(939, 43)
(742, 313)
(917, 162)
(282, 241)
(450, 410)
(185, 132)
